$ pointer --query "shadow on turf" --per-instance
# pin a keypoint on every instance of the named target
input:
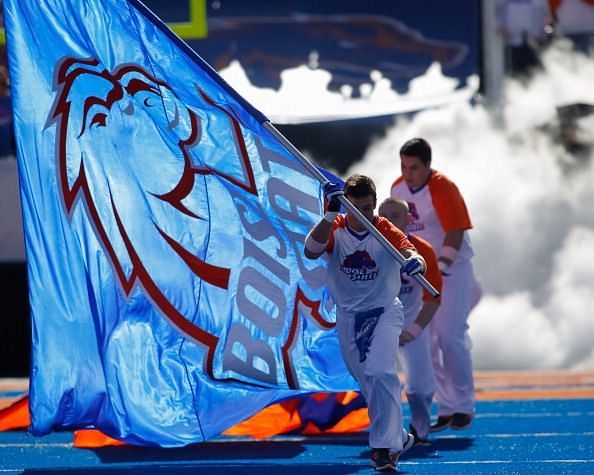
(227, 449)
(246, 457)
(208, 451)
(183, 469)
(457, 444)
(223, 456)
(443, 444)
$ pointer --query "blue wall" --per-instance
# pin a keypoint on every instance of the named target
(352, 38)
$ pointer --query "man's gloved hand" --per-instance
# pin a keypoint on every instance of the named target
(331, 192)
(413, 265)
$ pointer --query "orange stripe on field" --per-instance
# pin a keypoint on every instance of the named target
(499, 385)
(576, 378)
(278, 418)
(527, 394)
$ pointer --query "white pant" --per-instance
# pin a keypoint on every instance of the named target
(450, 343)
(420, 380)
(377, 375)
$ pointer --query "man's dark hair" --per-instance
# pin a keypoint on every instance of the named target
(358, 186)
(417, 147)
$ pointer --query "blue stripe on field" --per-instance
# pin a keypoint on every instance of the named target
(12, 394)
(544, 437)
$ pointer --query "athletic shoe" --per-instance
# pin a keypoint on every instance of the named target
(443, 422)
(461, 421)
(408, 444)
(418, 440)
(381, 461)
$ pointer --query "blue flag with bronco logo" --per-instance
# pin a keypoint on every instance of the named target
(170, 298)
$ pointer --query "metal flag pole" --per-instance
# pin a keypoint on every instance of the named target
(348, 205)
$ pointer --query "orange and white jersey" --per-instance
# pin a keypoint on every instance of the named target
(412, 294)
(363, 274)
(436, 208)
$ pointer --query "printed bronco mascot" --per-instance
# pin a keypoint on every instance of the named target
(131, 185)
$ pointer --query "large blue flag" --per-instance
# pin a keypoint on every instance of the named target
(164, 232)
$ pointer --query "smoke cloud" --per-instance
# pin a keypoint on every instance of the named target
(531, 205)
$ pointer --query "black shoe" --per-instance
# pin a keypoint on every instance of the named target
(461, 421)
(407, 444)
(443, 422)
(381, 461)
(418, 440)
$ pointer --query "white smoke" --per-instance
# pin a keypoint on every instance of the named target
(531, 204)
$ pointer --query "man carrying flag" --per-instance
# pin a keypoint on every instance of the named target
(364, 281)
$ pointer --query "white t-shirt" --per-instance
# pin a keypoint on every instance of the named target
(363, 274)
(436, 208)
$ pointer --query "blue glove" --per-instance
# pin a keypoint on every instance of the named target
(413, 265)
(331, 193)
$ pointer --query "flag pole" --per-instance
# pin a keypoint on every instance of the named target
(348, 205)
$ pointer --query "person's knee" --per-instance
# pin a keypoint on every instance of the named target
(381, 376)
(420, 394)
(453, 340)
(421, 383)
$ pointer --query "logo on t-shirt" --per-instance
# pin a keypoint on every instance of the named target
(412, 209)
(413, 226)
(359, 266)
(406, 286)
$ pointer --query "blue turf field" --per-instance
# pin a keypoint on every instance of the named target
(511, 437)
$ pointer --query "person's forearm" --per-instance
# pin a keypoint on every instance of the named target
(416, 328)
(319, 234)
(426, 314)
(454, 238)
(452, 243)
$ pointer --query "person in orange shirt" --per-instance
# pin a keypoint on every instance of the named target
(364, 281)
(419, 308)
(439, 215)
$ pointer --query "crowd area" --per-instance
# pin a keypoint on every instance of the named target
(528, 26)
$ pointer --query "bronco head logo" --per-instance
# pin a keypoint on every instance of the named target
(135, 154)
(359, 260)
(158, 187)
